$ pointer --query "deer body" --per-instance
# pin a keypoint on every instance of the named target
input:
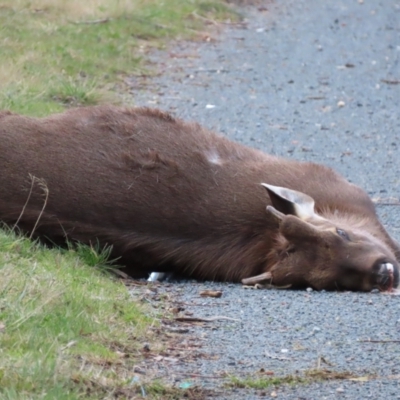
(174, 197)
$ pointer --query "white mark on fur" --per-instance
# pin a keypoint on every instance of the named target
(213, 157)
(156, 276)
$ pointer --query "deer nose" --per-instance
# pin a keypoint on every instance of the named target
(387, 276)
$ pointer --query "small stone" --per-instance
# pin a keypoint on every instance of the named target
(341, 103)
(139, 370)
(146, 347)
(309, 289)
(274, 394)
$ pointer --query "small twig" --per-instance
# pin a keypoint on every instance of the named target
(379, 341)
(312, 333)
(182, 303)
(212, 70)
(198, 319)
(199, 375)
(94, 21)
(391, 81)
(322, 359)
(274, 357)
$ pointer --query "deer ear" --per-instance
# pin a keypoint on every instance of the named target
(290, 202)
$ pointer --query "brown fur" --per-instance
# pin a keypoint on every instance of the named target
(167, 195)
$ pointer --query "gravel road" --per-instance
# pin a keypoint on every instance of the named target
(310, 80)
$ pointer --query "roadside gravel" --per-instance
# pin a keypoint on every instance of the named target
(308, 80)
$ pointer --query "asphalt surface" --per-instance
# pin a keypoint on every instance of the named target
(309, 80)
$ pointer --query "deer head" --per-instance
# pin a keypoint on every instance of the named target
(324, 252)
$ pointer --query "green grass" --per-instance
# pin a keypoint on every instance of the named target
(158, 390)
(63, 323)
(265, 382)
(69, 53)
(306, 377)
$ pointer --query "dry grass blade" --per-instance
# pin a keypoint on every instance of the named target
(26, 203)
(42, 184)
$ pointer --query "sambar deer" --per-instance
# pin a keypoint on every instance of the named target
(170, 196)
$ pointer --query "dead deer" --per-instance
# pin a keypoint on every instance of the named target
(170, 196)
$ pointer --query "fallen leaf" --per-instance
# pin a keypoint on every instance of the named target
(211, 293)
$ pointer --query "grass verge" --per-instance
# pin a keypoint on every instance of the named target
(71, 52)
(67, 329)
(307, 377)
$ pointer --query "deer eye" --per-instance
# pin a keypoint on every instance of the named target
(343, 234)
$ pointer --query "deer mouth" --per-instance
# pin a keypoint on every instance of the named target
(387, 276)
